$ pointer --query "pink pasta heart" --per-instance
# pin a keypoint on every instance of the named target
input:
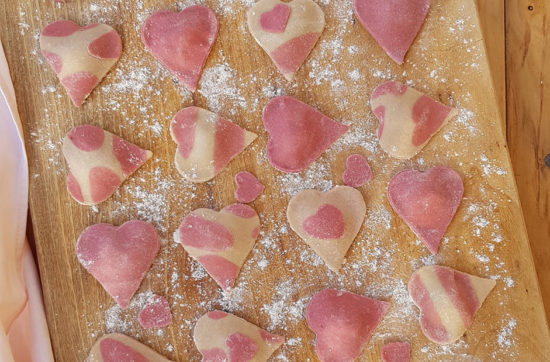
(343, 323)
(298, 134)
(206, 143)
(118, 257)
(328, 221)
(220, 241)
(80, 56)
(357, 172)
(287, 31)
(394, 24)
(99, 162)
(448, 300)
(117, 347)
(426, 201)
(248, 187)
(396, 352)
(156, 313)
(408, 118)
(220, 336)
(181, 41)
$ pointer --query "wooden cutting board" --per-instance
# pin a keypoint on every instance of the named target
(137, 100)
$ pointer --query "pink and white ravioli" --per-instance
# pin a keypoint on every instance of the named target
(328, 221)
(394, 24)
(220, 336)
(99, 162)
(427, 201)
(156, 313)
(396, 352)
(117, 347)
(181, 41)
(220, 241)
(118, 257)
(298, 133)
(448, 300)
(408, 118)
(287, 31)
(343, 323)
(206, 143)
(80, 56)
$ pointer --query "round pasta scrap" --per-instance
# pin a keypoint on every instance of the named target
(357, 172)
(156, 313)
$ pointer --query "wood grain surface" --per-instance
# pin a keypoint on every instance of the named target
(137, 100)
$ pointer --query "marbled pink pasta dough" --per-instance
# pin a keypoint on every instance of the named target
(426, 201)
(80, 56)
(343, 323)
(220, 241)
(206, 143)
(298, 133)
(328, 221)
(287, 31)
(117, 347)
(448, 300)
(394, 24)
(396, 352)
(118, 257)
(181, 41)
(220, 336)
(156, 313)
(99, 162)
(408, 118)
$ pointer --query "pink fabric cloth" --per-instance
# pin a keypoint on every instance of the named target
(23, 329)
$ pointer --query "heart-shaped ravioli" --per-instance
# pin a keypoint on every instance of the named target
(343, 323)
(287, 31)
(328, 221)
(118, 257)
(181, 41)
(220, 241)
(448, 300)
(220, 336)
(99, 162)
(427, 201)
(80, 56)
(117, 347)
(392, 23)
(408, 118)
(298, 133)
(206, 143)
(248, 187)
